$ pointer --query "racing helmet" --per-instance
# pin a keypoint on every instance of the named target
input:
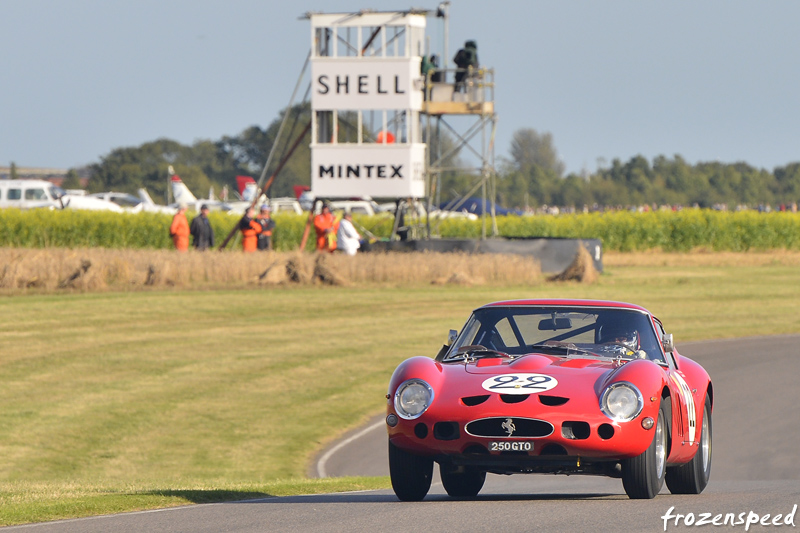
(618, 333)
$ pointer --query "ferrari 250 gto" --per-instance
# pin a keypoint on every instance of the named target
(552, 386)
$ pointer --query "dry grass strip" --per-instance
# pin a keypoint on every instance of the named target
(700, 258)
(97, 269)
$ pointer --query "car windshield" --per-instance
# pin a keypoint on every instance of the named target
(568, 331)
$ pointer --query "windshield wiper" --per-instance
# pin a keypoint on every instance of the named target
(471, 353)
(566, 349)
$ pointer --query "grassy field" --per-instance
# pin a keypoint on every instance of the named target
(118, 401)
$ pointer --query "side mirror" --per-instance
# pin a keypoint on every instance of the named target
(452, 335)
(668, 343)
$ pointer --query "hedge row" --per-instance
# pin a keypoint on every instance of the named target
(619, 231)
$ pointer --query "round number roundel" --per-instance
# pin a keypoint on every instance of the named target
(519, 383)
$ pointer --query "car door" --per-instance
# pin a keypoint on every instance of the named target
(683, 407)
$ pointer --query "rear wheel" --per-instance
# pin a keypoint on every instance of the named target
(463, 482)
(411, 474)
(692, 477)
(643, 475)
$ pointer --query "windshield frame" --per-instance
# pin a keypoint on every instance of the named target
(482, 329)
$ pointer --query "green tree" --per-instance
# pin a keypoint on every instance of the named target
(532, 149)
(247, 153)
(128, 169)
(72, 180)
(788, 183)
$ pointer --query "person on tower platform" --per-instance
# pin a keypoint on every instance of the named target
(465, 59)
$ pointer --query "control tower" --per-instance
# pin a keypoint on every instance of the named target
(377, 120)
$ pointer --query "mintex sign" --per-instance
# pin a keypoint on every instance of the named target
(348, 84)
(381, 171)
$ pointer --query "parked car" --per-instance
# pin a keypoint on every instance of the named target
(552, 386)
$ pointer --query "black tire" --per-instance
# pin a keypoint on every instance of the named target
(411, 474)
(643, 475)
(466, 483)
(692, 477)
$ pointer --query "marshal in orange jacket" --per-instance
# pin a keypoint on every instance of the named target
(250, 236)
(326, 225)
(179, 229)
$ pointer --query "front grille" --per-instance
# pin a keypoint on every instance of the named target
(504, 427)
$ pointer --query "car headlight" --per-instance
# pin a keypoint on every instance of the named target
(621, 401)
(412, 398)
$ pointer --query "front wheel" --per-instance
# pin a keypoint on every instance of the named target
(692, 477)
(411, 474)
(643, 475)
(463, 483)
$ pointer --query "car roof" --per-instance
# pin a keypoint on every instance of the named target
(565, 302)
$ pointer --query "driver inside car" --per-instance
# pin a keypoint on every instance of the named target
(624, 337)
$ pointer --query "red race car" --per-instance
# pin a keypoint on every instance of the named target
(552, 386)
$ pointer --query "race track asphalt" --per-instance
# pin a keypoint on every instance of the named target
(755, 472)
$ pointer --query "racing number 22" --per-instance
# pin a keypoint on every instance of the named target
(510, 381)
(519, 383)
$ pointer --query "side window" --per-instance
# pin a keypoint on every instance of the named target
(660, 331)
(35, 194)
(14, 194)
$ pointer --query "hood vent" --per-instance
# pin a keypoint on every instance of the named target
(471, 401)
(552, 401)
(513, 398)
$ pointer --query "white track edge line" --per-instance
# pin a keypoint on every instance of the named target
(324, 459)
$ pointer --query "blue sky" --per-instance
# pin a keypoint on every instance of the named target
(709, 80)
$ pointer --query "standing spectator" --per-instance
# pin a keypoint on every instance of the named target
(465, 59)
(436, 76)
(201, 230)
(326, 226)
(250, 230)
(179, 229)
(267, 227)
(348, 239)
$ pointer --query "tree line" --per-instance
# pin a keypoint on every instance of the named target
(531, 176)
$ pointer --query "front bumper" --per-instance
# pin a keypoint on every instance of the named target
(562, 440)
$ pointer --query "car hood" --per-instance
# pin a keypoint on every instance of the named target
(574, 375)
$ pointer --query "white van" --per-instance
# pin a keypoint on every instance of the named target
(37, 194)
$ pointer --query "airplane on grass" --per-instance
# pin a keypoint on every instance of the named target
(182, 195)
(247, 192)
(134, 204)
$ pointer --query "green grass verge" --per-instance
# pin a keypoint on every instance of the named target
(125, 401)
(22, 503)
